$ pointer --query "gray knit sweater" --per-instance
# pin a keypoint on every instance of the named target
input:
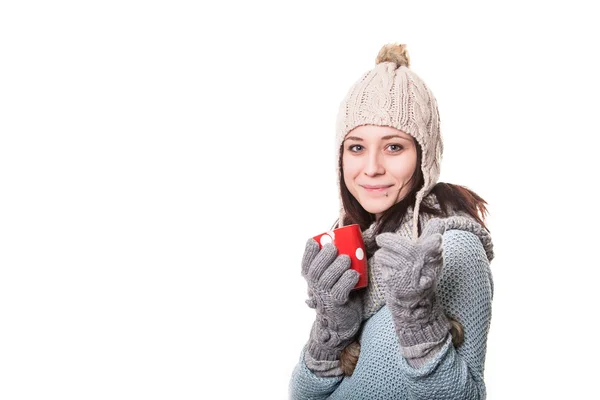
(465, 291)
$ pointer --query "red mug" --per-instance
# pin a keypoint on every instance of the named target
(348, 240)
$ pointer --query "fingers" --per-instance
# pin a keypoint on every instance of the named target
(393, 248)
(396, 242)
(385, 259)
(428, 270)
(435, 225)
(341, 290)
(333, 273)
(432, 247)
(412, 265)
(386, 272)
(321, 261)
(310, 252)
(386, 239)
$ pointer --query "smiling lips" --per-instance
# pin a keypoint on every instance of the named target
(376, 188)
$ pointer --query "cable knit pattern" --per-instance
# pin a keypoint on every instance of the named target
(465, 293)
(375, 293)
(374, 297)
(393, 95)
(411, 271)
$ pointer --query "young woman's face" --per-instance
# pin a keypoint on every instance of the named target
(378, 160)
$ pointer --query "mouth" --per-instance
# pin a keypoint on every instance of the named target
(376, 188)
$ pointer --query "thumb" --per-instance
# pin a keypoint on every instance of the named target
(435, 225)
(391, 240)
(394, 243)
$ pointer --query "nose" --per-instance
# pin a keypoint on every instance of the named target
(374, 165)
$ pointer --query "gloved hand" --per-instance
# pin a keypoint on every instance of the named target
(339, 312)
(410, 271)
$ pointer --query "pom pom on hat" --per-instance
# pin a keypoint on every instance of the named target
(395, 53)
(395, 97)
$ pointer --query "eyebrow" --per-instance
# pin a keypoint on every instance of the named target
(383, 138)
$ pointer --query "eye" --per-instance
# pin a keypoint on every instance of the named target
(355, 148)
(395, 147)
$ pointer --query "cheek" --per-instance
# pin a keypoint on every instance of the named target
(405, 170)
(350, 167)
(350, 172)
(407, 173)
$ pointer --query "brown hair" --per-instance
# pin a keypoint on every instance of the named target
(449, 197)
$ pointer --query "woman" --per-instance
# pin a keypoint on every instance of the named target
(419, 330)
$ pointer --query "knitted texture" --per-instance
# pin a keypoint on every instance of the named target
(465, 293)
(374, 297)
(391, 94)
(338, 314)
(411, 271)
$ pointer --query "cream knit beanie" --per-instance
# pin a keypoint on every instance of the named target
(393, 95)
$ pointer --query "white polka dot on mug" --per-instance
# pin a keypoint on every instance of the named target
(348, 240)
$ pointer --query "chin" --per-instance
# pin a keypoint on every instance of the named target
(378, 208)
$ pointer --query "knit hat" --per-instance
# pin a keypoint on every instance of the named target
(392, 95)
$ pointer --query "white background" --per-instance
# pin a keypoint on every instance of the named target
(163, 163)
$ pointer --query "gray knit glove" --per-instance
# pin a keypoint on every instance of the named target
(339, 312)
(410, 271)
